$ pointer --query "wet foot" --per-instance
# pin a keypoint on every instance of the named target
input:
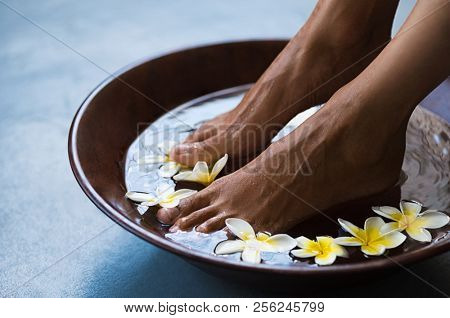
(338, 154)
(329, 51)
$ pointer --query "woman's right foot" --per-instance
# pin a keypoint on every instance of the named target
(334, 46)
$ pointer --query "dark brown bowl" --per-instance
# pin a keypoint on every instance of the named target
(111, 117)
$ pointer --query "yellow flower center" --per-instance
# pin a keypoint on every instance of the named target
(246, 236)
(262, 236)
(405, 221)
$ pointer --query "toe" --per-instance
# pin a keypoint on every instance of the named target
(213, 224)
(187, 206)
(204, 132)
(167, 215)
(190, 153)
(193, 219)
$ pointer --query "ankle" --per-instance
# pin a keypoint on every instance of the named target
(355, 112)
(346, 24)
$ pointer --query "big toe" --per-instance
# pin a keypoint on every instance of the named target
(168, 215)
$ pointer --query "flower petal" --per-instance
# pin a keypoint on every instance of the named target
(306, 243)
(410, 208)
(328, 245)
(352, 229)
(229, 247)
(325, 242)
(186, 176)
(280, 243)
(168, 169)
(390, 227)
(432, 219)
(169, 203)
(201, 170)
(218, 166)
(303, 253)
(164, 189)
(373, 226)
(181, 194)
(388, 212)
(251, 255)
(348, 241)
(418, 234)
(339, 250)
(374, 249)
(240, 228)
(150, 203)
(262, 236)
(391, 240)
(325, 259)
(140, 196)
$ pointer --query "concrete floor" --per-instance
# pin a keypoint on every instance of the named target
(53, 240)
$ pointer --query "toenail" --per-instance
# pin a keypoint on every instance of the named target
(182, 148)
(174, 228)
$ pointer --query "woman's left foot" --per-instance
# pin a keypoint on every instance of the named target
(337, 155)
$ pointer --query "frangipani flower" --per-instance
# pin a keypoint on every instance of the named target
(168, 167)
(410, 219)
(324, 250)
(374, 239)
(165, 196)
(250, 244)
(201, 173)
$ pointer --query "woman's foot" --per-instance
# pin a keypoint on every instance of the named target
(336, 43)
(337, 155)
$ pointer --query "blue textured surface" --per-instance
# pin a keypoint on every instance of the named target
(53, 241)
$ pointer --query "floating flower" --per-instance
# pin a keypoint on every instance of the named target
(165, 195)
(250, 244)
(410, 219)
(324, 250)
(168, 167)
(201, 173)
(374, 239)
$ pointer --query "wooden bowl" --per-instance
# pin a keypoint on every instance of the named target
(112, 116)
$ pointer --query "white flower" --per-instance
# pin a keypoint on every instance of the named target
(250, 244)
(201, 173)
(324, 250)
(410, 219)
(374, 239)
(165, 196)
(168, 167)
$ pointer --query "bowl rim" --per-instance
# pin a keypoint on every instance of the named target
(198, 256)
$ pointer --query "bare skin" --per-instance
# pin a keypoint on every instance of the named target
(354, 145)
(336, 43)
